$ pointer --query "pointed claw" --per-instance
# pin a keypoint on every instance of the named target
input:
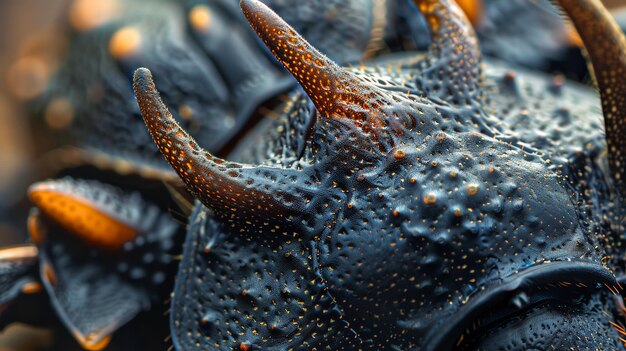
(237, 193)
(87, 212)
(453, 67)
(606, 48)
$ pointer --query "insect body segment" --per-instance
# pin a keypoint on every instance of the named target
(417, 213)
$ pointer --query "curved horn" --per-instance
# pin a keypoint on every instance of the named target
(240, 194)
(453, 65)
(606, 48)
(334, 91)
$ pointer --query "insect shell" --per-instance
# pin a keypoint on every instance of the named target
(102, 255)
(410, 207)
(209, 63)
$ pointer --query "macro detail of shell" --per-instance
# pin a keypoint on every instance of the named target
(371, 199)
(422, 197)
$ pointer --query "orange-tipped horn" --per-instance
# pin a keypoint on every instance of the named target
(242, 195)
(335, 92)
(453, 66)
(606, 47)
(80, 210)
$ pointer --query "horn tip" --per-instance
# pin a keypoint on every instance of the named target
(248, 4)
(255, 10)
(142, 80)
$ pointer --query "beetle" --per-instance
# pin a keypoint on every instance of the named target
(397, 212)
(410, 193)
(104, 256)
(104, 273)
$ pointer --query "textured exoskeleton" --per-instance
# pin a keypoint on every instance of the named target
(219, 73)
(422, 202)
(103, 256)
(210, 65)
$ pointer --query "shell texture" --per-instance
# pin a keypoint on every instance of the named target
(407, 204)
(433, 200)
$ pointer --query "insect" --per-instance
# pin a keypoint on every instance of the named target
(397, 211)
(102, 255)
(407, 204)
(222, 76)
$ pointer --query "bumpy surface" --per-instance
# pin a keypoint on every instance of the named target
(96, 287)
(209, 64)
(397, 206)
(98, 216)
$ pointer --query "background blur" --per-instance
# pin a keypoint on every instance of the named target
(27, 27)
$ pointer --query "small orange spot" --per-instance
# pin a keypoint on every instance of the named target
(123, 167)
(412, 180)
(244, 347)
(186, 112)
(36, 229)
(88, 14)
(472, 189)
(457, 212)
(59, 113)
(88, 343)
(200, 18)
(125, 42)
(441, 136)
(49, 273)
(396, 213)
(20, 253)
(244, 293)
(510, 76)
(32, 288)
(399, 154)
(491, 170)
(430, 199)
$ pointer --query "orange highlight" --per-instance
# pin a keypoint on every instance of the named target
(125, 42)
(17, 253)
(83, 219)
(88, 343)
(200, 18)
(473, 9)
(49, 274)
(32, 288)
(36, 229)
(59, 113)
(85, 15)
